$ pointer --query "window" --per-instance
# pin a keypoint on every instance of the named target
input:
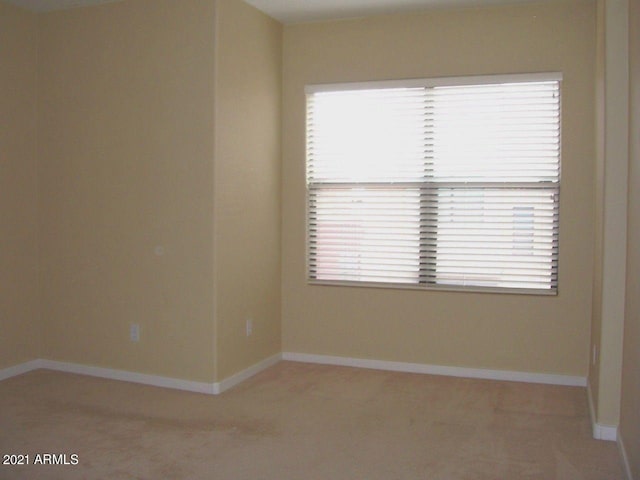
(444, 183)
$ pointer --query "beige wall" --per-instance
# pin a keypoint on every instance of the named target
(247, 186)
(630, 405)
(596, 311)
(20, 332)
(512, 332)
(126, 155)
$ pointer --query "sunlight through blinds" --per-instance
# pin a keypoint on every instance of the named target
(435, 185)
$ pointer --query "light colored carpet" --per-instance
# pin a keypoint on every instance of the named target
(297, 421)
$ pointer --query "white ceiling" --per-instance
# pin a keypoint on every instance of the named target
(296, 11)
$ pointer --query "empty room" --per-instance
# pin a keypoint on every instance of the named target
(320, 239)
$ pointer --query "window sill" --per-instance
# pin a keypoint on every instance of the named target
(435, 288)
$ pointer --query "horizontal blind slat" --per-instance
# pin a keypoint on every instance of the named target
(390, 175)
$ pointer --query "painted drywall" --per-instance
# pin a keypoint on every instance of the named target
(629, 430)
(512, 332)
(20, 332)
(126, 191)
(611, 208)
(247, 186)
(596, 311)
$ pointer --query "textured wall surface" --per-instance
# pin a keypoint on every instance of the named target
(126, 154)
(247, 186)
(20, 332)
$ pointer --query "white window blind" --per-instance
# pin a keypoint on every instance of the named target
(450, 183)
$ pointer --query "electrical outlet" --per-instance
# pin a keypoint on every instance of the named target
(249, 326)
(594, 355)
(134, 332)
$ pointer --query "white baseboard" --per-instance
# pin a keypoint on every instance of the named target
(126, 376)
(528, 377)
(142, 378)
(605, 432)
(16, 370)
(625, 458)
(224, 385)
(600, 431)
(240, 377)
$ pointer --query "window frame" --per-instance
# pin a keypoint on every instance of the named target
(435, 82)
